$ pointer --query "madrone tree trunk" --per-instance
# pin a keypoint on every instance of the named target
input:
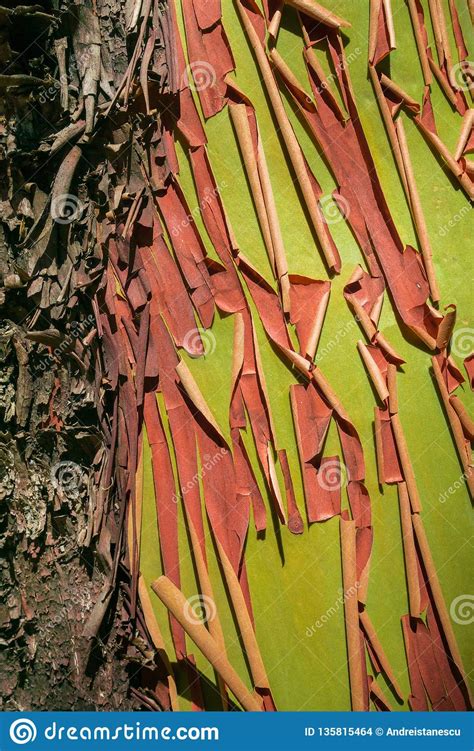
(74, 126)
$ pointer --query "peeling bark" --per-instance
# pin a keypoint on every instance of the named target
(68, 637)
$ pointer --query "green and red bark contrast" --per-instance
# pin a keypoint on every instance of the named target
(234, 407)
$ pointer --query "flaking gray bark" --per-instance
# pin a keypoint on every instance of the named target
(67, 641)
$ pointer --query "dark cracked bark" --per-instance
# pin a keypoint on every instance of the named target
(70, 158)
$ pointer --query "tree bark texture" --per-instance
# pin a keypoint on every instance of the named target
(72, 133)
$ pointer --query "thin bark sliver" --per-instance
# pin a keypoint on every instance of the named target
(349, 572)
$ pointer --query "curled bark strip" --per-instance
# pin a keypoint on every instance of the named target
(250, 17)
(176, 603)
(354, 639)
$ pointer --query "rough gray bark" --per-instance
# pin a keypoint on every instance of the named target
(67, 638)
